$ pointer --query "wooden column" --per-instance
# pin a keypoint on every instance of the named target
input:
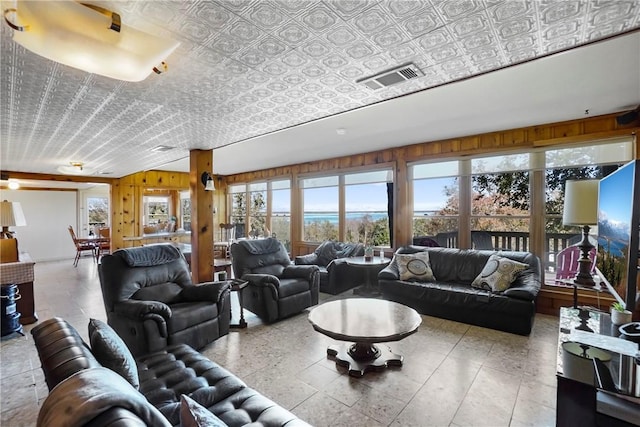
(201, 217)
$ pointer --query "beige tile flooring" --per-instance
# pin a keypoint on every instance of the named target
(453, 374)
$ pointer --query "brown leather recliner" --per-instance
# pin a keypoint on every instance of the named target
(151, 301)
(277, 288)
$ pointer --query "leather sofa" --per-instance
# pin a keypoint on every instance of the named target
(151, 301)
(85, 392)
(277, 288)
(451, 295)
(335, 275)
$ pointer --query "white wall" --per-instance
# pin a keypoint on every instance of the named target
(48, 215)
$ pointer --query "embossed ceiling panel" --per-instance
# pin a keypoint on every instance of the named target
(246, 69)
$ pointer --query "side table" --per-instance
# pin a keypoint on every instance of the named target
(372, 268)
(21, 274)
(238, 285)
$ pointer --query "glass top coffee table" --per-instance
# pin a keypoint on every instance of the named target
(365, 322)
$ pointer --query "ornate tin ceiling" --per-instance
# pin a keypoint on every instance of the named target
(249, 68)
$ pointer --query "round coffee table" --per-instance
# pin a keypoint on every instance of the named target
(371, 267)
(365, 322)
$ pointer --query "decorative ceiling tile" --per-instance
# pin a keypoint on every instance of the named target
(294, 59)
(316, 49)
(266, 16)
(271, 47)
(319, 18)
(516, 27)
(334, 61)
(553, 11)
(423, 23)
(248, 67)
(275, 68)
(389, 37)
(293, 34)
(453, 10)
(400, 9)
(510, 9)
(213, 14)
(360, 50)
(349, 8)
(371, 21)
(341, 36)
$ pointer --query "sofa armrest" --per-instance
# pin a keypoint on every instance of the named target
(390, 272)
(309, 259)
(137, 309)
(207, 291)
(300, 271)
(525, 287)
(264, 281)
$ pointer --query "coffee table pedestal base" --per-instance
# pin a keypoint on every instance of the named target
(360, 358)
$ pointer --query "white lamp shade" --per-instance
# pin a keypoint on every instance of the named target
(75, 35)
(11, 214)
(580, 202)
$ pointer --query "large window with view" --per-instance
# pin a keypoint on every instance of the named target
(260, 209)
(321, 208)
(356, 203)
(593, 161)
(281, 211)
(436, 197)
(367, 207)
(500, 202)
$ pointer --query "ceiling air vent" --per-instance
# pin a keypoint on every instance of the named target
(391, 77)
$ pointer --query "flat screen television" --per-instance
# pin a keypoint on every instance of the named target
(619, 232)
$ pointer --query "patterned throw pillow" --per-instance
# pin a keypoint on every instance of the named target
(414, 267)
(192, 414)
(498, 274)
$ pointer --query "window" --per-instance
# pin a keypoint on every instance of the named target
(500, 202)
(281, 211)
(436, 197)
(156, 210)
(268, 211)
(98, 213)
(357, 201)
(583, 162)
(321, 208)
(366, 208)
(185, 210)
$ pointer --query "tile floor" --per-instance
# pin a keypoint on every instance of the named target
(453, 374)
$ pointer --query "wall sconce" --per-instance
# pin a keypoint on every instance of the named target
(89, 38)
(207, 181)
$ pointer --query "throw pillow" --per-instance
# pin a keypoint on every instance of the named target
(415, 267)
(192, 414)
(498, 274)
(112, 352)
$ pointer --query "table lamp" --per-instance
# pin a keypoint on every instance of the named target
(581, 208)
(10, 216)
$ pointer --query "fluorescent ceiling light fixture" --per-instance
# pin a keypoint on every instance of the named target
(89, 38)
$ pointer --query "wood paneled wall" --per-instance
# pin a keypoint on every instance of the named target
(554, 134)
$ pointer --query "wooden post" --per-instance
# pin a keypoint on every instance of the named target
(201, 217)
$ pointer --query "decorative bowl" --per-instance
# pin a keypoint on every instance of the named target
(631, 331)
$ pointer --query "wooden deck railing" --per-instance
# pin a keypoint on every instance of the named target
(516, 241)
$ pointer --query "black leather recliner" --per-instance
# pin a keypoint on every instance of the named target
(277, 288)
(151, 301)
(336, 275)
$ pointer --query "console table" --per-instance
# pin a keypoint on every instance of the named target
(21, 274)
(578, 403)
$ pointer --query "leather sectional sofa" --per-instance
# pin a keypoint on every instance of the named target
(451, 296)
(93, 386)
(335, 275)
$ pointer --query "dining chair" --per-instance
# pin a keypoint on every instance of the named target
(103, 245)
(81, 246)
